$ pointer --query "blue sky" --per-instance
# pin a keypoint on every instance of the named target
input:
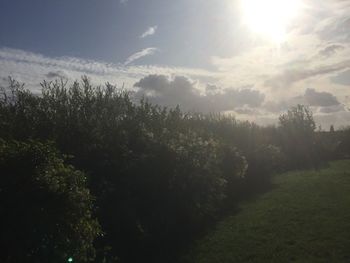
(205, 55)
(109, 30)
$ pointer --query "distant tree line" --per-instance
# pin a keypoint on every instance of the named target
(88, 174)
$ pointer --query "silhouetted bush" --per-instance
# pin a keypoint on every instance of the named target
(159, 175)
(263, 162)
(45, 207)
(297, 133)
(342, 142)
(157, 179)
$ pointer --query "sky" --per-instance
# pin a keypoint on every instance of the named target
(250, 58)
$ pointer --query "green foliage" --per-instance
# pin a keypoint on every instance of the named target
(159, 175)
(46, 209)
(298, 119)
(343, 143)
(297, 129)
(264, 161)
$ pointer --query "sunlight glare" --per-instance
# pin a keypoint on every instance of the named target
(270, 18)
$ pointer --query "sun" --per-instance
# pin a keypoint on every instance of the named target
(270, 18)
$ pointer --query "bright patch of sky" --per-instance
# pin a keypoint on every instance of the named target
(212, 51)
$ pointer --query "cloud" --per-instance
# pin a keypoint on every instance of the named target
(153, 83)
(143, 53)
(32, 68)
(230, 99)
(332, 109)
(161, 90)
(336, 27)
(342, 78)
(290, 76)
(56, 74)
(182, 91)
(123, 1)
(189, 87)
(323, 102)
(316, 53)
(338, 119)
(324, 99)
(283, 105)
(149, 32)
(330, 50)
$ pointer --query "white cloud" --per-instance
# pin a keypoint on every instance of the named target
(32, 68)
(144, 52)
(149, 32)
(315, 55)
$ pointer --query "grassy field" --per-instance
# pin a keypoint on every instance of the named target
(305, 218)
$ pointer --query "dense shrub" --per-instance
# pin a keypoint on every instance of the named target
(175, 187)
(159, 175)
(157, 179)
(263, 162)
(342, 138)
(297, 134)
(45, 207)
(259, 145)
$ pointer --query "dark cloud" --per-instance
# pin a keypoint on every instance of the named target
(289, 77)
(181, 91)
(324, 99)
(56, 74)
(160, 90)
(153, 83)
(330, 50)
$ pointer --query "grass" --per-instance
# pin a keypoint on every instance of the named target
(305, 218)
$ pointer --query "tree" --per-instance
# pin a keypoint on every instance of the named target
(45, 207)
(297, 130)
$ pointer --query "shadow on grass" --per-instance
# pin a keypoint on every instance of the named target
(248, 190)
(253, 187)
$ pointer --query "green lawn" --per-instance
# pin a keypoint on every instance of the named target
(305, 218)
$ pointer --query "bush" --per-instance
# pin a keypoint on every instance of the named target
(263, 162)
(46, 209)
(159, 175)
(343, 143)
(297, 134)
(158, 179)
